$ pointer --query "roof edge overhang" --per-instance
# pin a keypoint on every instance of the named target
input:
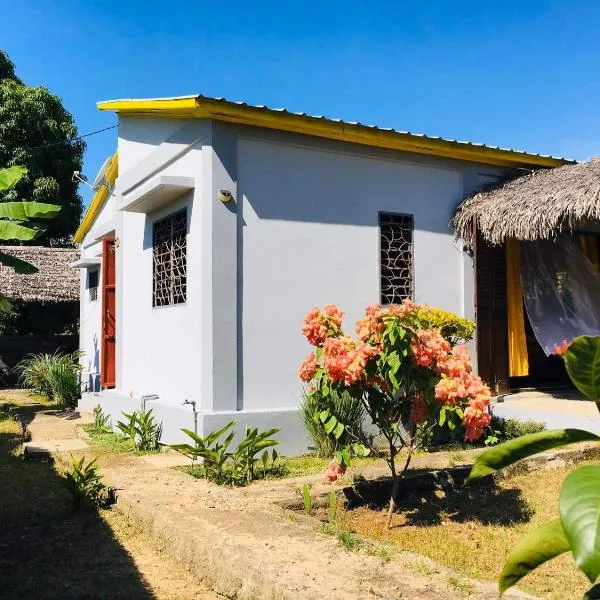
(258, 116)
(98, 200)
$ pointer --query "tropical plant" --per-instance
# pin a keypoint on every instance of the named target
(344, 407)
(16, 222)
(55, 375)
(101, 421)
(142, 429)
(405, 373)
(85, 483)
(36, 131)
(578, 528)
(306, 498)
(222, 465)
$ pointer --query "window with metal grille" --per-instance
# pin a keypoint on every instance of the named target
(92, 284)
(169, 253)
(396, 257)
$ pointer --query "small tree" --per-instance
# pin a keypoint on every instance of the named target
(17, 222)
(407, 368)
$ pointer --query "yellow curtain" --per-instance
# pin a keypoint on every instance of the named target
(588, 244)
(518, 361)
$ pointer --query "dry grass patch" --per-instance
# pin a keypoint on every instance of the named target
(473, 529)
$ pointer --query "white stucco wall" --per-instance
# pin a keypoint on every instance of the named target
(310, 236)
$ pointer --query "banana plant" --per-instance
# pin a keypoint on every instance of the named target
(15, 223)
(245, 456)
(577, 530)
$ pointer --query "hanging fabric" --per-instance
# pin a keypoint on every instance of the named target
(588, 244)
(561, 288)
(518, 361)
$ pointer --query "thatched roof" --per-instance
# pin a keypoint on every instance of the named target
(55, 280)
(539, 205)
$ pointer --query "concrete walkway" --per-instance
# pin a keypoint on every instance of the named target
(244, 545)
(557, 410)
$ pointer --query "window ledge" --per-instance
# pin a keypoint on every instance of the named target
(156, 192)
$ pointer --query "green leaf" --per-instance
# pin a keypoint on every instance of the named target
(9, 177)
(5, 303)
(339, 429)
(510, 452)
(11, 230)
(330, 425)
(324, 415)
(541, 545)
(579, 505)
(442, 419)
(22, 211)
(582, 360)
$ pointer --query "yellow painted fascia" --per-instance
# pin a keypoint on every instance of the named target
(98, 200)
(231, 112)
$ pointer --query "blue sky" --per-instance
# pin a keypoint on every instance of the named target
(519, 74)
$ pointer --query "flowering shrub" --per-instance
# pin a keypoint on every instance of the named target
(408, 367)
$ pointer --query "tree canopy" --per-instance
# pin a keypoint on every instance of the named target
(37, 132)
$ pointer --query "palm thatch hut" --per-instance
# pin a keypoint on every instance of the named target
(500, 225)
(45, 305)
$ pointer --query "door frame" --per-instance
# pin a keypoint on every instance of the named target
(108, 320)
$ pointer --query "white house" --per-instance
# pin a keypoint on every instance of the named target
(219, 225)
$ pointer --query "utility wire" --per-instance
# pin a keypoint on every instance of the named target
(79, 137)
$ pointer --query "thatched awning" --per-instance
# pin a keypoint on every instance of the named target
(539, 205)
(55, 280)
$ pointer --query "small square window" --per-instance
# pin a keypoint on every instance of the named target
(169, 254)
(396, 257)
(92, 284)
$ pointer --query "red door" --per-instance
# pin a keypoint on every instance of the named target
(108, 346)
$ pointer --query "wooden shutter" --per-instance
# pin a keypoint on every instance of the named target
(491, 315)
(108, 345)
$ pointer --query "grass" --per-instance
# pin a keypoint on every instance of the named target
(46, 550)
(473, 529)
(112, 443)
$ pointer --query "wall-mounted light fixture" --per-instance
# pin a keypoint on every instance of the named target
(225, 195)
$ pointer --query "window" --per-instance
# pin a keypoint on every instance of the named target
(396, 257)
(92, 284)
(169, 255)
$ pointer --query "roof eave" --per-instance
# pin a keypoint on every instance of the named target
(223, 110)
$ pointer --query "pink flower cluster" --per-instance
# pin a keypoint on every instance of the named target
(334, 470)
(560, 349)
(419, 410)
(346, 360)
(429, 348)
(318, 324)
(308, 368)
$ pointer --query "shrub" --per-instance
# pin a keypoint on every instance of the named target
(509, 429)
(223, 466)
(406, 369)
(142, 429)
(85, 484)
(101, 421)
(55, 376)
(346, 408)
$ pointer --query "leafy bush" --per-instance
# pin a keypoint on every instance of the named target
(142, 429)
(85, 484)
(222, 466)
(456, 329)
(55, 376)
(344, 407)
(101, 421)
(509, 429)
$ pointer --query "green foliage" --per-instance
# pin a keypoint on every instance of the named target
(512, 451)
(142, 429)
(454, 328)
(582, 361)
(53, 375)
(509, 429)
(344, 415)
(222, 465)
(86, 485)
(37, 132)
(306, 498)
(348, 541)
(101, 421)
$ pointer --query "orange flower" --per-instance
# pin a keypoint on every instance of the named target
(308, 368)
(559, 350)
(317, 324)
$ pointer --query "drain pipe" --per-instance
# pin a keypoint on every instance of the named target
(147, 398)
(193, 403)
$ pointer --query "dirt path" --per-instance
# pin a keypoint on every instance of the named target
(241, 543)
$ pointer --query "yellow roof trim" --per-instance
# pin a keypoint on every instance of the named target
(98, 200)
(258, 116)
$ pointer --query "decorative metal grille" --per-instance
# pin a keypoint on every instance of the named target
(169, 249)
(93, 285)
(396, 257)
